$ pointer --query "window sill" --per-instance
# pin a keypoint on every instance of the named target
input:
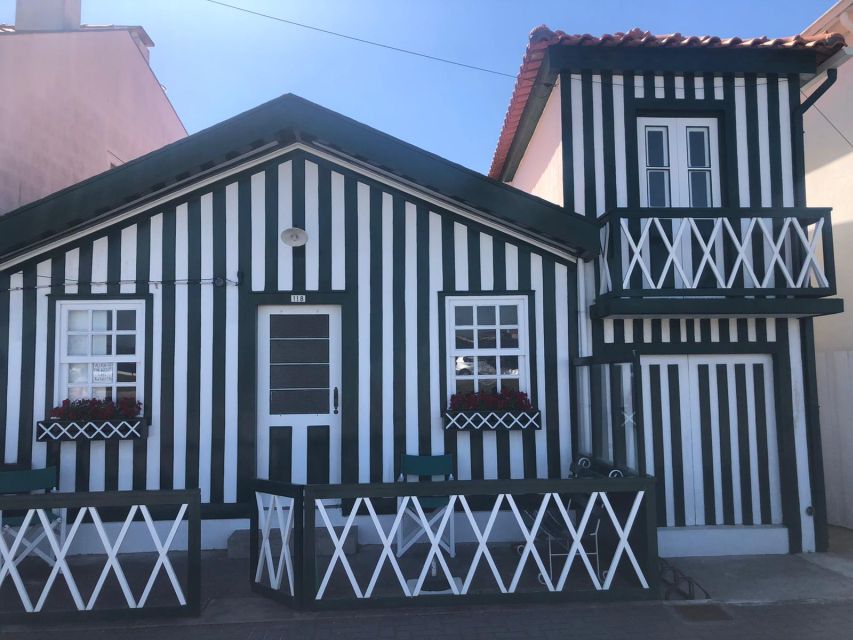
(499, 420)
(51, 430)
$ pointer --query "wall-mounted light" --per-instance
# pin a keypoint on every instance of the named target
(294, 237)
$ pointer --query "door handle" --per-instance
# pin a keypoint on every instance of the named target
(335, 400)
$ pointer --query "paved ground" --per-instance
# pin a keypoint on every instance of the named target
(802, 597)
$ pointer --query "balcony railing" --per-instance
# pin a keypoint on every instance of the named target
(717, 252)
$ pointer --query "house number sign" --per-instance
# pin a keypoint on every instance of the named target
(300, 297)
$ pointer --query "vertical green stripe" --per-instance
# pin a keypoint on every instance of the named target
(775, 143)
(588, 145)
(475, 284)
(167, 357)
(246, 347)
(84, 279)
(324, 202)
(676, 437)
(143, 267)
(657, 440)
(566, 148)
(528, 438)
(761, 441)
(501, 437)
(705, 436)
(398, 285)
(448, 274)
(725, 443)
(113, 276)
(743, 443)
(57, 286)
(349, 339)
(377, 302)
(552, 415)
(4, 352)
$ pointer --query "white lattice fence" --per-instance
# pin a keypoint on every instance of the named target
(40, 533)
(715, 253)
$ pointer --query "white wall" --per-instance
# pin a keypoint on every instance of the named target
(835, 385)
(540, 171)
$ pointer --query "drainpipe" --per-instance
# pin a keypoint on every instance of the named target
(831, 77)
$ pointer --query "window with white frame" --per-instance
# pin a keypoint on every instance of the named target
(100, 349)
(679, 162)
(487, 343)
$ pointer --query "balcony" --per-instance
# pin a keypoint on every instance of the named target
(712, 258)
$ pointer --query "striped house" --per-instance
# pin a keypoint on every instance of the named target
(293, 295)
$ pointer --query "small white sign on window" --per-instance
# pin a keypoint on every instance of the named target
(102, 372)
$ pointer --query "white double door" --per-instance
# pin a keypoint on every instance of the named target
(299, 392)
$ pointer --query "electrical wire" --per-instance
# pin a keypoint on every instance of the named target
(217, 281)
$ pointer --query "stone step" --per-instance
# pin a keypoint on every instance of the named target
(238, 542)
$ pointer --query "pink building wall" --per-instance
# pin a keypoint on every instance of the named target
(73, 104)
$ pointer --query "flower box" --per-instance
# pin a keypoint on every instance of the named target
(57, 430)
(497, 420)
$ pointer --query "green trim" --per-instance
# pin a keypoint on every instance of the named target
(666, 307)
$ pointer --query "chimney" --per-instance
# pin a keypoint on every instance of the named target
(47, 15)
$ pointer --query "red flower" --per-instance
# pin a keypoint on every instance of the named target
(505, 400)
(94, 409)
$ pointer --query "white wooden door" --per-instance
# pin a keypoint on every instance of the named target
(299, 393)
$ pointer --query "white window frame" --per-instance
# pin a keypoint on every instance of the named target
(62, 360)
(522, 351)
(679, 169)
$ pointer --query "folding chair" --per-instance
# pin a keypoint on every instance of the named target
(26, 481)
(434, 507)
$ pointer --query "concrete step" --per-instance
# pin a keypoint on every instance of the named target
(238, 542)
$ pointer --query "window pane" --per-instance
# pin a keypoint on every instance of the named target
(700, 188)
(486, 366)
(486, 315)
(102, 345)
(509, 338)
(102, 393)
(658, 188)
(464, 315)
(102, 320)
(488, 385)
(102, 373)
(126, 392)
(77, 393)
(464, 338)
(509, 314)
(126, 344)
(509, 365)
(464, 365)
(126, 371)
(78, 373)
(509, 383)
(656, 148)
(464, 386)
(697, 148)
(125, 320)
(78, 345)
(486, 338)
(78, 320)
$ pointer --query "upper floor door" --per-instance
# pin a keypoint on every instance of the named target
(679, 162)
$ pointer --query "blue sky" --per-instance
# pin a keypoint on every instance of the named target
(216, 62)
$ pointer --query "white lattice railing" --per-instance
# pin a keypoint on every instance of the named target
(717, 252)
(511, 537)
(42, 536)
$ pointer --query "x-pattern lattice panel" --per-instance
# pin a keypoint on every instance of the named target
(492, 420)
(275, 515)
(716, 253)
(38, 523)
(528, 513)
(60, 430)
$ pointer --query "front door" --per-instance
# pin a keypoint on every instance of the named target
(299, 393)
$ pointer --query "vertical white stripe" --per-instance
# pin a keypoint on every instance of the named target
(697, 330)
(97, 450)
(205, 442)
(232, 318)
(411, 313)
(647, 330)
(312, 227)
(785, 144)
(387, 336)
(363, 213)
(435, 280)
(577, 145)
(771, 329)
(665, 329)
(763, 142)
(666, 437)
(128, 276)
(39, 449)
(608, 330)
(750, 330)
(285, 221)
(742, 154)
(564, 391)
(179, 461)
(487, 283)
(639, 88)
(801, 450)
(155, 274)
(679, 87)
(699, 86)
(598, 143)
(716, 455)
(682, 329)
(659, 88)
(13, 389)
(516, 442)
(258, 214)
(67, 450)
(338, 235)
(628, 328)
(718, 87)
(540, 436)
(733, 337)
(715, 329)
(735, 425)
(463, 438)
(619, 141)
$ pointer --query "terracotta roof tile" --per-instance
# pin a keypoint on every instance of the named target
(542, 38)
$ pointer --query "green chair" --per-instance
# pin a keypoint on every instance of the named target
(434, 507)
(27, 481)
